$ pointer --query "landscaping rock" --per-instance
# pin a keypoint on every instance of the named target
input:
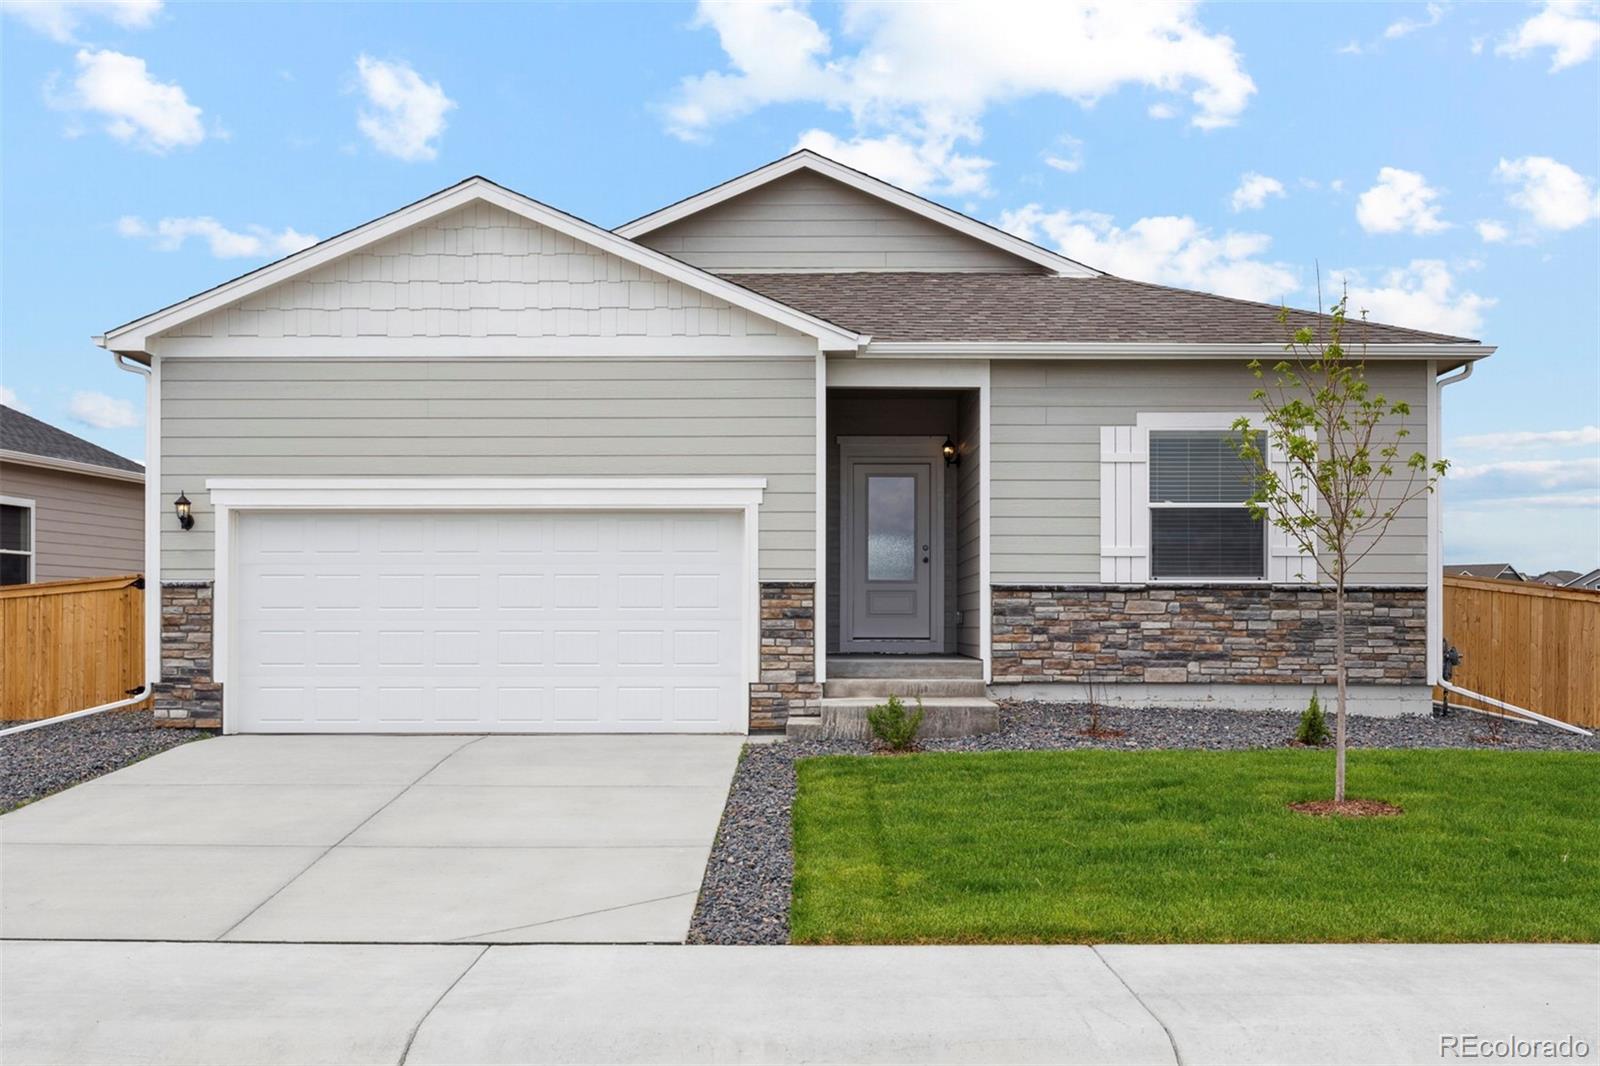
(57, 756)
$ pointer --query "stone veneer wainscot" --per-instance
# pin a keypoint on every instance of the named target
(1238, 634)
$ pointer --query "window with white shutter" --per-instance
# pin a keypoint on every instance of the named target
(1173, 494)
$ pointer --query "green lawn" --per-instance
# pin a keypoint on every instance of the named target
(1193, 847)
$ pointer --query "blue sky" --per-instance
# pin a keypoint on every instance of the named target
(1440, 158)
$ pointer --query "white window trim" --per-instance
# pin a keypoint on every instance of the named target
(33, 540)
(233, 496)
(1208, 421)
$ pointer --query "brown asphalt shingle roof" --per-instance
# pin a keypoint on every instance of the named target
(26, 434)
(1042, 307)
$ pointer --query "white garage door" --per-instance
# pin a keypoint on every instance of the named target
(488, 622)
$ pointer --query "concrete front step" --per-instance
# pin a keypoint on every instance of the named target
(903, 666)
(905, 687)
(943, 716)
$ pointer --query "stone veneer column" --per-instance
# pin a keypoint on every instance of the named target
(788, 684)
(186, 695)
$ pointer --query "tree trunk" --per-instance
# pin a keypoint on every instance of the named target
(1339, 666)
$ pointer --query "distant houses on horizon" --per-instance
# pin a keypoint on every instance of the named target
(1568, 579)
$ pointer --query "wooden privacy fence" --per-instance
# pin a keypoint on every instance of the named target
(1536, 646)
(70, 645)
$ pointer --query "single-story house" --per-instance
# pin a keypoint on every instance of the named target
(1486, 571)
(745, 463)
(68, 508)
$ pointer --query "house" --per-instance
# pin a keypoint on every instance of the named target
(1486, 571)
(746, 463)
(68, 508)
(1591, 580)
(1557, 577)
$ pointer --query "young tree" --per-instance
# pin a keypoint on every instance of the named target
(1340, 479)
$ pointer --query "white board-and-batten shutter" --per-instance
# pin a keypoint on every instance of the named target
(1124, 504)
(1287, 563)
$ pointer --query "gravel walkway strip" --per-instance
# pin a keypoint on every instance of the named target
(41, 761)
(745, 897)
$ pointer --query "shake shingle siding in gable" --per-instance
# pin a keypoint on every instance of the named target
(446, 417)
(805, 221)
(480, 271)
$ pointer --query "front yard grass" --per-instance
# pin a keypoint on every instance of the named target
(1194, 847)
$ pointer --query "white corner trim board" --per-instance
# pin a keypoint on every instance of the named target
(231, 497)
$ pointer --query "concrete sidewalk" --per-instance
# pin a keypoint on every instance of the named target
(76, 1002)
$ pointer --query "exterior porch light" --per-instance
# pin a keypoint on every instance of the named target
(182, 505)
(952, 455)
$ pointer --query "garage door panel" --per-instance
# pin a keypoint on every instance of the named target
(482, 622)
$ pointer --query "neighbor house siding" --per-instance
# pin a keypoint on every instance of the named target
(481, 271)
(83, 526)
(1045, 463)
(569, 417)
(805, 221)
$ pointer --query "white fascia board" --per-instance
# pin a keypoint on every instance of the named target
(1152, 350)
(70, 466)
(806, 159)
(135, 336)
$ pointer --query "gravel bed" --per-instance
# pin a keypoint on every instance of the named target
(745, 896)
(41, 761)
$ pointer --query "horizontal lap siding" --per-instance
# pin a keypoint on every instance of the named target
(237, 417)
(83, 526)
(1045, 456)
(808, 222)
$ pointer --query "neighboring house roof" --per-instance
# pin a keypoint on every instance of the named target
(1557, 577)
(134, 336)
(25, 439)
(931, 307)
(1504, 571)
(805, 159)
(1591, 580)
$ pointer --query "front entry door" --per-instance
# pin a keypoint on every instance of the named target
(893, 562)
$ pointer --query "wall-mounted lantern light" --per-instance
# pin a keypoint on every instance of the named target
(952, 456)
(181, 505)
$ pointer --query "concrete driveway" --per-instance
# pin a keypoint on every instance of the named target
(375, 839)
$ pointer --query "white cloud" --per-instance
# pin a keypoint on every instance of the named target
(1519, 475)
(1402, 26)
(1530, 439)
(911, 164)
(169, 234)
(1569, 28)
(1161, 111)
(1067, 156)
(103, 412)
(1422, 295)
(1254, 190)
(1401, 201)
(404, 114)
(137, 109)
(8, 397)
(901, 80)
(1170, 250)
(1555, 196)
(59, 19)
(1493, 231)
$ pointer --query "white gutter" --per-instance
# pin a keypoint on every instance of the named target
(1152, 350)
(1535, 715)
(152, 564)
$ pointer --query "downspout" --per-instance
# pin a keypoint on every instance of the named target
(142, 693)
(1435, 582)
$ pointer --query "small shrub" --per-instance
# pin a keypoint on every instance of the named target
(893, 725)
(1313, 731)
